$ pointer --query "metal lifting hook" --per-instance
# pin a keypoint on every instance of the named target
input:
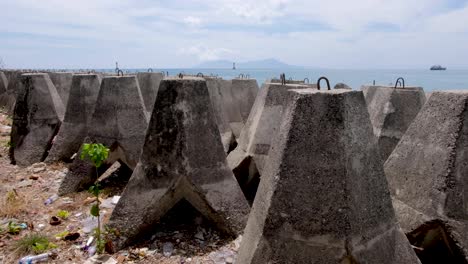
(283, 79)
(323, 78)
(400, 81)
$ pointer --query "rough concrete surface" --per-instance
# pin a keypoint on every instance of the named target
(391, 112)
(37, 117)
(216, 98)
(427, 170)
(149, 84)
(244, 92)
(8, 98)
(62, 82)
(79, 111)
(182, 158)
(260, 128)
(323, 197)
(119, 121)
(3, 83)
(233, 111)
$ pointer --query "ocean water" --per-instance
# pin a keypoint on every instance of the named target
(429, 80)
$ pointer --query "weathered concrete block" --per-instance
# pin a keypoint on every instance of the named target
(37, 117)
(259, 131)
(149, 84)
(8, 98)
(427, 170)
(119, 121)
(232, 109)
(182, 158)
(391, 111)
(3, 83)
(217, 102)
(62, 82)
(323, 197)
(244, 92)
(82, 100)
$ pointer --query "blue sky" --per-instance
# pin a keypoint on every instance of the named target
(179, 33)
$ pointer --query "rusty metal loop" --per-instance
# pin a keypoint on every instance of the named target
(283, 79)
(150, 70)
(120, 72)
(181, 76)
(400, 81)
(200, 75)
(326, 80)
(307, 80)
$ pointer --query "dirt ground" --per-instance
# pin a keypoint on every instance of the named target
(23, 192)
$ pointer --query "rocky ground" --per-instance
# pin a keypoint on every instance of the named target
(183, 236)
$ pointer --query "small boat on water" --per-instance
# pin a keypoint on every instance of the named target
(438, 68)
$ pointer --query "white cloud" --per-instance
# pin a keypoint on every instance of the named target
(204, 53)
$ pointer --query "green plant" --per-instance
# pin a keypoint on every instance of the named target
(97, 154)
(64, 214)
(13, 228)
(33, 243)
(62, 235)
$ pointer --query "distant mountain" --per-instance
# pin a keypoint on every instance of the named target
(258, 64)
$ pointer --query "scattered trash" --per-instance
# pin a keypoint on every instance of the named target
(51, 199)
(168, 248)
(55, 221)
(101, 259)
(90, 223)
(237, 242)
(37, 258)
(40, 226)
(23, 225)
(223, 256)
(115, 199)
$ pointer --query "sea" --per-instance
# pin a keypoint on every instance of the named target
(429, 80)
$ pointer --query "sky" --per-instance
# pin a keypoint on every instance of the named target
(343, 34)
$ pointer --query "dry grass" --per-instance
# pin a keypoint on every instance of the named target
(12, 204)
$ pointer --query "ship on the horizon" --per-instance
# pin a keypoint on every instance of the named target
(438, 68)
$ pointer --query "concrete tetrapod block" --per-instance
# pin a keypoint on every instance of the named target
(231, 107)
(323, 197)
(119, 121)
(79, 111)
(36, 119)
(62, 82)
(149, 84)
(244, 92)
(8, 98)
(214, 89)
(427, 170)
(3, 83)
(182, 158)
(391, 112)
(254, 142)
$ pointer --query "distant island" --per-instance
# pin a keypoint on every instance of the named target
(258, 64)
